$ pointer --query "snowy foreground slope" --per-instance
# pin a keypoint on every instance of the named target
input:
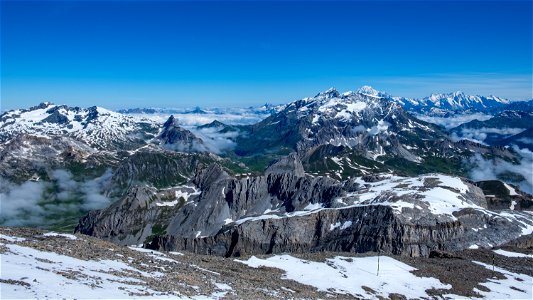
(35, 264)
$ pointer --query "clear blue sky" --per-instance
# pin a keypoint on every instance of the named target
(132, 53)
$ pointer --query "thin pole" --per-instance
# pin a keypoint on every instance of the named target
(378, 265)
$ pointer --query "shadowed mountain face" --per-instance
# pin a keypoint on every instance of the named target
(350, 119)
(285, 210)
(522, 140)
(174, 137)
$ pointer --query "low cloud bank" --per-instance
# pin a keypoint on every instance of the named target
(453, 121)
(43, 203)
(526, 140)
(216, 141)
(480, 134)
(500, 169)
(192, 120)
(20, 203)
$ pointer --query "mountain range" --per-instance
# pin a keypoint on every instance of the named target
(355, 171)
(351, 173)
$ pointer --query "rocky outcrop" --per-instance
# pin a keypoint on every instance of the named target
(56, 117)
(501, 196)
(288, 164)
(221, 199)
(158, 168)
(286, 210)
(176, 138)
(356, 229)
(120, 222)
(27, 154)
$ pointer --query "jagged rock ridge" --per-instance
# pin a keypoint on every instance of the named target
(286, 211)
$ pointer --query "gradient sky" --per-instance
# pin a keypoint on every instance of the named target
(180, 54)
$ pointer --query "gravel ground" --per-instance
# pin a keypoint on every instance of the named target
(192, 274)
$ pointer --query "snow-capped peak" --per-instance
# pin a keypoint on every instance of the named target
(458, 100)
(348, 107)
(369, 91)
(330, 93)
(96, 126)
(457, 95)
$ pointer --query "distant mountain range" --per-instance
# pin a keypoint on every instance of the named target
(96, 126)
(435, 104)
(504, 129)
(260, 110)
(368, 126)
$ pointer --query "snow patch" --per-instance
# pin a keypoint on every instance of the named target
(348, 275)
(12, 238)
(512, 191)
(64, 235)
(42, 272)
(313, 206)
(512, 254)
(514, 286)
(340, 225)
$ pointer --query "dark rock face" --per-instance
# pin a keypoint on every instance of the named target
(180, 139)
(296, 234)
(285, 210)
(119, 222)
(157, 168)
(223, 198)
(92, 114)
(521, 140)
(371, 228)
(289, 164)
(500, 197)
(41, 105)
(56, 117)
(442, 254)
(213, 124)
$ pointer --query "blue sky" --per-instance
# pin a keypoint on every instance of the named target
(176, 54)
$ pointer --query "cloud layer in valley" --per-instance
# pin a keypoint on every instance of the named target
(480, 134)
(216, 141)
(453, 121)
(498, 169)
(45, 202)
(229, 116)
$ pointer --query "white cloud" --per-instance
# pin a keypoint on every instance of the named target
(33, 203)
(20, 203)
(230, 116)
(480, 134)
(214, 140)
(526, 140)
(93, 198)
(494, 169)
(454, 121)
